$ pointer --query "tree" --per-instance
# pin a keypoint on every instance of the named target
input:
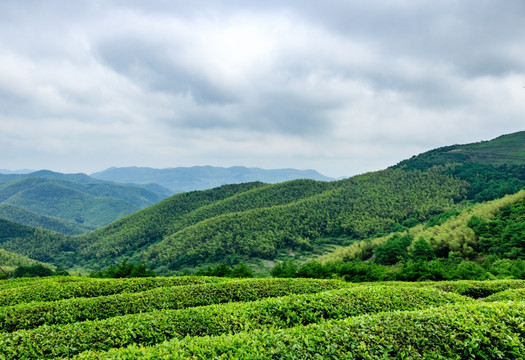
(422, 251)
(393, 250)
(285, 269)
(32, 271)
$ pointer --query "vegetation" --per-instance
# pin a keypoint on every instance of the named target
(224, 270)
(28, 218)
(486, 237)
(37, 270)
(507, 295)
(124, 270)
(419, 216)
(261, 318)
(504, 150)
(33, 314)
(448, 332)
(10, 261)
(156, 327)
(70, 204)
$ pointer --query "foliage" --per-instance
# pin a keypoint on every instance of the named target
(436, 270)
(285, 269)
(504, 235)
(473, 330)
(124, 270)
(455, 236)
(33, 271)
(224, 270)
(70, 204)
(422, 251)
(9, 260)
(155, 327)
(28, 315)
(77, 287)
(357, 207)
(507, 295)
(504, 150)
(29, 218)
(393, 250)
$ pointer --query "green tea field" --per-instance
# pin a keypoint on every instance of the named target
(216, 318)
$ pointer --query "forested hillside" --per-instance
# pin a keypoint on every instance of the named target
(9, 261)
(492, 228)
(29, 218)
(255, 220)
(504, 150)
(69, 203)
(302, 219)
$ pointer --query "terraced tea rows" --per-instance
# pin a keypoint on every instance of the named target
(266, 318)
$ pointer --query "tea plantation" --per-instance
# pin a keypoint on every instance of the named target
(216, 318)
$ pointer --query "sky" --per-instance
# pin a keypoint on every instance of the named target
(342, 87)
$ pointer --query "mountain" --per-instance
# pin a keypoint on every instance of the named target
(70, 203)
(263, 223)
(504, 150)
(184, 179)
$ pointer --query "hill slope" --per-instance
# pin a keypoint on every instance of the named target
(495, 227)
(29, 218)
(257, 220)
(70, 203)
(254, 221)
(183, 179)
(506, 149)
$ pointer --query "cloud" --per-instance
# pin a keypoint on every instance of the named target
(343, 87)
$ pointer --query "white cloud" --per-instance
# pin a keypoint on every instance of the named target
(345, 87)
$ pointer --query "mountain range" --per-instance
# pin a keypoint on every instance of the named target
(182, 179)
(70, 203)
(263, 223)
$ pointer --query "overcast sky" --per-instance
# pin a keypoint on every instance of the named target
(343, 87)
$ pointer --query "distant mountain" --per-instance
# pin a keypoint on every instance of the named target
(70, 203)
(182, 179)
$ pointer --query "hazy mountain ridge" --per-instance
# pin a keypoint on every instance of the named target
(183, 179)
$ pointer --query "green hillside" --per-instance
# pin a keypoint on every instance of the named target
(9, 261)
(70, 203)
(506, 149)
(257, 221)
(494, 227)
(26, 217)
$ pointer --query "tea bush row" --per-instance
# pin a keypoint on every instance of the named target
(507, 295)
(274, 313)
(479, 289)
(43, 290)
(31, 315)
(460, 331)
